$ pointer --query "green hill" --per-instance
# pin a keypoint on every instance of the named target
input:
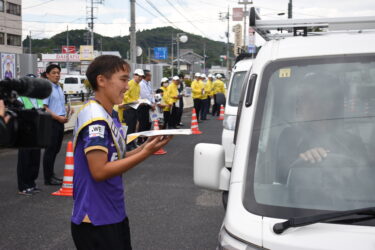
(158, 37)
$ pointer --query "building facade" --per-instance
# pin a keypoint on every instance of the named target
(10, 26)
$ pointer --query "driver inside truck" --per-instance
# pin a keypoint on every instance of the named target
(318, 132)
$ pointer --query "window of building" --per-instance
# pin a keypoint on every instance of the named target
(14, 40)
(2, 38)
(1, 5)
(14, 9)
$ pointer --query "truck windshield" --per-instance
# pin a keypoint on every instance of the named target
(236, 87)
(313, 142)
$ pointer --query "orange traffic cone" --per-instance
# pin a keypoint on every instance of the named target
(156, 125)
(161, 151)
(67, 186)
(221, 117)
(194, 124)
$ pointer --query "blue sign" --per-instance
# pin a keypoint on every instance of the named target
(251, 49)
(160, 53)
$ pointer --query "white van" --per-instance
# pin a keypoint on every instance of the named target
(236, 82)
(74, 84)
(304, 165)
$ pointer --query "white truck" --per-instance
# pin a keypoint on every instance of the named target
(74, 84)
(304, 165)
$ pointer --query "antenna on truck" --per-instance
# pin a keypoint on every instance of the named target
(263, 27)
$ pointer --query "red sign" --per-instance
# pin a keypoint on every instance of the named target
(68, 49)
(237, 14)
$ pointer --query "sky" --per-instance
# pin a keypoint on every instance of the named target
(45, 18)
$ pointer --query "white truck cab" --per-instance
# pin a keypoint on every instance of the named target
(239, 71)
(304, 165)
(74, 84)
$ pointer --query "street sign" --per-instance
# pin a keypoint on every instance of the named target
(68, 49)
(160, 53)
(237, 14)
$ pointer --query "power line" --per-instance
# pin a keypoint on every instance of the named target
(146, 10)
(153, 6)
(36, 5)
(186, 18)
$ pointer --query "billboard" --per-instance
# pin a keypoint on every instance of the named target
(68, 49)
(160, 53)
(8, 65)
(86, 53)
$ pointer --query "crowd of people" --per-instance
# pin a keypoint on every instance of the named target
(101, 155)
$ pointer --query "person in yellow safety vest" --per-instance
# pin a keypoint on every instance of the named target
(205, 99)
(219, 87)
(131, 96)
(210, 89)
(197, 89)
(165, 102)
(173, 99)
(28, 158)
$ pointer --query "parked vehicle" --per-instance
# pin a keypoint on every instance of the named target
(304, 165)
(74, 84)
(239, 71)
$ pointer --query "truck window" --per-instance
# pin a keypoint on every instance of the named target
(71, 80)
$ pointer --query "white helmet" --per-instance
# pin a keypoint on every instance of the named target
(210, 76)
(203, 75)
(219, 76)
(197, 74)
(176, 78)
(139, 72)
(164, 79)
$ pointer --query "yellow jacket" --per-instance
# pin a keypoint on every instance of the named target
(172, 91)
(219, 87)
(133, 93)
(196, 89)
(204, 95)
(208, 88)
(165, 99)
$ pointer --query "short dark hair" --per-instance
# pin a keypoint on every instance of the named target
(51, 67)
(105, 65)
(159, 91)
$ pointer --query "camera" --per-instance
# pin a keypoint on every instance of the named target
(158, 98)
(27, 128)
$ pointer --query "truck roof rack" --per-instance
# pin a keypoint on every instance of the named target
(263, 27)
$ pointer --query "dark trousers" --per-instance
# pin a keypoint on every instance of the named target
(143, 115)
(197, 106)
(174, 117)
(166, 117)
(179, 115)
(27, 168)
(113, 236)
(130, 118)
(205, 108)
(215, 108)
(50, 153)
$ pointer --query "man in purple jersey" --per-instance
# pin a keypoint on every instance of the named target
(99, 219)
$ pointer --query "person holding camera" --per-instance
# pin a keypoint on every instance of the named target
(3, 118)
(55, 105)
(28, 158)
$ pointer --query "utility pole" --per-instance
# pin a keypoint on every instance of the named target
(290, 9)
(90, 16)
(245, 29)
(228, 63)
(204, 56)
(133, 41)
(172, 56)
(30, 42)
(67, 52)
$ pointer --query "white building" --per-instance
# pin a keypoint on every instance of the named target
(10, 26)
